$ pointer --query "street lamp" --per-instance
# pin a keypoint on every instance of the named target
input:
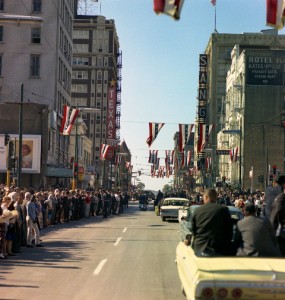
(239, 132)
(88, 110)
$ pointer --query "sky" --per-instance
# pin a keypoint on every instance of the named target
(160, 66)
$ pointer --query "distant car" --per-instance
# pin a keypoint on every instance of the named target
(186, 227)
(170, 206)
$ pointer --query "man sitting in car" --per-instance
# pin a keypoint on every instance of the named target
(255, 235)
(212, 227)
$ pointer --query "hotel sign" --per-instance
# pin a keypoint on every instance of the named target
(264, 67)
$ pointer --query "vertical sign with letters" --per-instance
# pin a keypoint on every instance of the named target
(111, 113)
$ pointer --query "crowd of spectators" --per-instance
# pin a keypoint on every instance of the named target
(25, 212)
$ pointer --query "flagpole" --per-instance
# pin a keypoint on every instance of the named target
(215, 18)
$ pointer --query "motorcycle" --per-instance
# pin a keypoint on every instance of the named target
(143, 206)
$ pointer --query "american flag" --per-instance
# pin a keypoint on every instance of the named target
(213, 2)
(275, 13)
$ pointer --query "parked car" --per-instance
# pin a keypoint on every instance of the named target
(170, 206)
(185, 224)
(229, 278)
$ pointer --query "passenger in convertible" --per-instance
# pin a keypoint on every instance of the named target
(212, 228)
(255, 236)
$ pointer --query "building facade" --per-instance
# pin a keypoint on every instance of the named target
(96, 82)
(253, 116)
(219, 55)
(40, 56)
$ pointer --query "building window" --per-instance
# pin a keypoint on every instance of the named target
(36, 35)
(2, 5)
(37, 6)
(35, 65)
(1, 33)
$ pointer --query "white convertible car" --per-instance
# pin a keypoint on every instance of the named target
(230, 278)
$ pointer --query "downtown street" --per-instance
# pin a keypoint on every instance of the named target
(130, 256)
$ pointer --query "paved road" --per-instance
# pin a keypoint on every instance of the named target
(128, 257)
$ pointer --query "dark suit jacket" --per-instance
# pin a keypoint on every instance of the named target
(270, 194)
(212, 228)
(258, 237)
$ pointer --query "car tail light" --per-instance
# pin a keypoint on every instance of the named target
(207, 293)
(237, 293)
(222, 293)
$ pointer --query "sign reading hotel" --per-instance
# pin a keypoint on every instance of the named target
(264, 67)
(111, 111)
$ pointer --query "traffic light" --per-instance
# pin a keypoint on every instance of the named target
(7, 139)
(274, 167)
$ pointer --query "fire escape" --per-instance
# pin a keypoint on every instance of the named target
(119, 89)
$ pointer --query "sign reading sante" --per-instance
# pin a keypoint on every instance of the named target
(111, 113)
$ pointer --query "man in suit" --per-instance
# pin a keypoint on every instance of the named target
(272, 192)
(256, 235)
(212, 227)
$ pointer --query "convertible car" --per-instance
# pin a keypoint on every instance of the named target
(229, 278)
(187, 213)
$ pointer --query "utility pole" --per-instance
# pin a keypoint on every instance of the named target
(20, 136)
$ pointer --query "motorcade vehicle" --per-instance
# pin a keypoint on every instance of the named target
(170, 206)
(185, 223)
(226, 278)
(229, 278)
(143, 206)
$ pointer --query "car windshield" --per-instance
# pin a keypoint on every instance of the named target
(174, 202)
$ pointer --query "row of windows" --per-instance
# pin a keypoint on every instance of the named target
(80, 34)
(80, 74)
(66, 16)
(64, 76)
(61, 101)
(35, 35)
(64, 45)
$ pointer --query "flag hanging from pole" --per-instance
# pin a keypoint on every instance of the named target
(118, 159)
(68, 121)
(152, 156)
(275, 13)
(204, 131)
(171, 8)
(184, 135)
(213, 2)
(104, 151)
(154, 129)
(234, 154)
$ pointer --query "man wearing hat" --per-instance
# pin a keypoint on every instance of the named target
(272, 192)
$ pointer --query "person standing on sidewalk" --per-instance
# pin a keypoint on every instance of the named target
(32, 224)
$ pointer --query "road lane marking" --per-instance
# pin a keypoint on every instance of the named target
(125, 229)
(118, 241)
(100, 267)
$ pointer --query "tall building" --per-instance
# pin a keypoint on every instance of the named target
(96, 81)
(39, 56)
(218, 53)
(253, 117)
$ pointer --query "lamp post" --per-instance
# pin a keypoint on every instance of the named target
(239, 132)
